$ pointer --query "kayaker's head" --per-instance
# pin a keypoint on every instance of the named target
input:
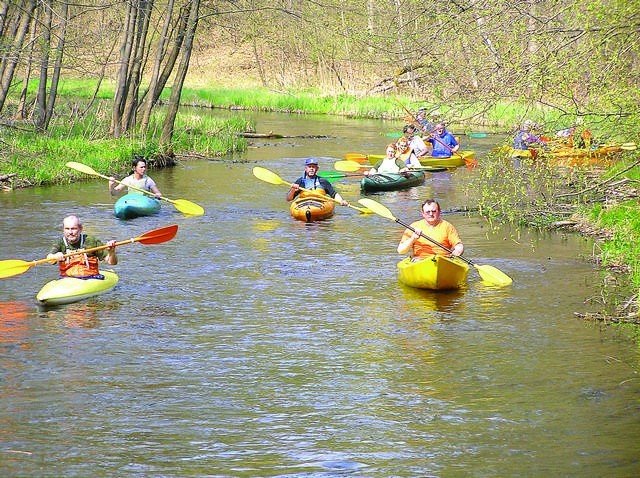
(431, 211)
(311, 167)
(391, 150)
(439, 129)
(72, 229)
(402, 144)
(409, 130)
(527, 125)
(139, 166)
(422, 113)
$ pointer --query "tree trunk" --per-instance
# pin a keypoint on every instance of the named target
(10, 60)
(21, 111)
(45, 45)
(154, 86)
(57, 67)
(181, 73)
(120, 93)
(137, 63)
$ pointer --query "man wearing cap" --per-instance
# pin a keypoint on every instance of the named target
(421, 116)
(311, 180)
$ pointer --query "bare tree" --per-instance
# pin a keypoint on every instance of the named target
(181, 73)
(13, 35)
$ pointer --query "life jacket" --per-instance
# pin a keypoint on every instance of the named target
(519, 140)
(314, 185)
(405, 155)
(78, 265)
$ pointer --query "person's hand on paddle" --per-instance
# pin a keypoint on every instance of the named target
(57, 257)
(343, 201)
(112, 181)
(457, 250)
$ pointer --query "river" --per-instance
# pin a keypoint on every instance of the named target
(253, 345)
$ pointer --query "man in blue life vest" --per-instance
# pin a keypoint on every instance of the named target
(311, 180)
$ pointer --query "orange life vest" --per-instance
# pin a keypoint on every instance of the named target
(79, 265)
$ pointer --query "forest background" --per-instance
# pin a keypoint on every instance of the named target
(84, 80)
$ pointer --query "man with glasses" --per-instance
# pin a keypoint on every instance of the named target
(432, 226)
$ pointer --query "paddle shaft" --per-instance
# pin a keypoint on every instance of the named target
(84, 251)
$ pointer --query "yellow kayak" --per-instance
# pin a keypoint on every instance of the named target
(456, 160)
(67, 290)
(434, 272)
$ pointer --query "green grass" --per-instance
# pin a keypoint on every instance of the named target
(40, 158)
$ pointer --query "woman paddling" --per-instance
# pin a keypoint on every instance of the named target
(138, 179)
(390, 163)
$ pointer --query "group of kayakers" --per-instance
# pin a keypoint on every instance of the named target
(412, 241)
(86, 266)
(577, 136)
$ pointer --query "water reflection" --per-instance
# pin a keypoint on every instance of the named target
(428, 303)
(14, 328)
(83, 314)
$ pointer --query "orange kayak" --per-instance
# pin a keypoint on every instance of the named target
(311, 208)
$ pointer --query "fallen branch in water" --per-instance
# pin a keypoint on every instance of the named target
(271, 134)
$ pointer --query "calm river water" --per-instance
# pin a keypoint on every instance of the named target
(253, 345)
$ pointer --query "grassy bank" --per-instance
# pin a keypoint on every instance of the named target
(38, 159)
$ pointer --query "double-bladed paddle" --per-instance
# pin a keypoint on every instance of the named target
(270, 177)
(185, 207)
(14, 267)
(489, 274)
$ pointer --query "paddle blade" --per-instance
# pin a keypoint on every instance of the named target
(267, 176)
(331, 175)
(158, 236)
(377, 208)
(357, 157)
(362, 210)
(348, 166)
(83, 168)
(493, 275)
(187, 207)
(13, 267)
(629, 146)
